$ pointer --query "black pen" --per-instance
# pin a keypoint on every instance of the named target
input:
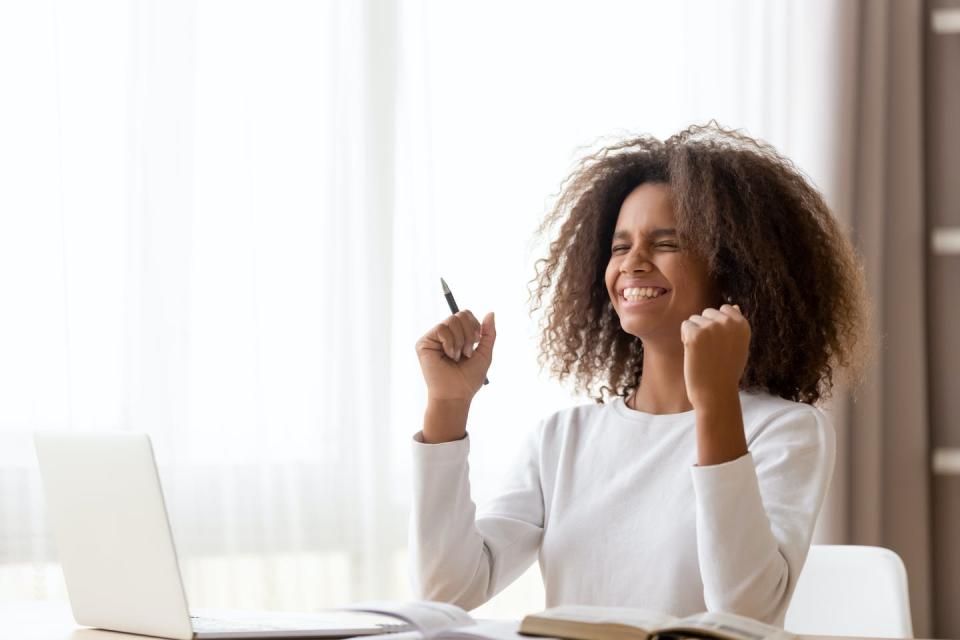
(453, 306)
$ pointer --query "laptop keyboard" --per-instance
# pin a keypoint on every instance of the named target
(201, 624)
(209, 625)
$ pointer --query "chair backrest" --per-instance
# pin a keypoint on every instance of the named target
(851, 591)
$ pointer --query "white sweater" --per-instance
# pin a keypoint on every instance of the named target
(612, 501)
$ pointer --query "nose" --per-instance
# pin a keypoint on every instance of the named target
(635, 262)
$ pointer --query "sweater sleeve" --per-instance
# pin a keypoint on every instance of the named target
(456, 554)
(756, 514)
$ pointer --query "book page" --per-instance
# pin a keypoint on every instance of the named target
(727, 625)
(481, 630)
(646, 620)
(427, 617)
(484, 630)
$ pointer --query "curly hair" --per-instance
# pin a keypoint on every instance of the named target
(770, 242)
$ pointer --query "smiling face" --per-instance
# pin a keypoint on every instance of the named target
(653, 283)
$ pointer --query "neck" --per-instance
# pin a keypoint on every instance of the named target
(662, 387)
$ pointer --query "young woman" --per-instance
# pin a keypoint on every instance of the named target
(704, 287)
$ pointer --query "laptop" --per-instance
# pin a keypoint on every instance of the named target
(110, 524)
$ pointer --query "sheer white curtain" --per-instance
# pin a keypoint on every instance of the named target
(224, 223)
(198, 250)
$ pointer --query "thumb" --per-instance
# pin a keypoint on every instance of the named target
(488, 335)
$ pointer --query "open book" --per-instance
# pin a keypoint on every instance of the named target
(611, 623)
(441, 621)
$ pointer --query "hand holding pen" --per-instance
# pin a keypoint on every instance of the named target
(455, 309)
(456, 354)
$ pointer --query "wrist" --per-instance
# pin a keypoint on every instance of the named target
(445, 420)
(720, 431)
(717, 400)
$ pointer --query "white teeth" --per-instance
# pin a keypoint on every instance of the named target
(637, 293)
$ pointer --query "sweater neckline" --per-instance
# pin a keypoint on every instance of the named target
(619, 405)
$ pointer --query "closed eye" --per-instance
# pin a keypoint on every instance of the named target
(659, 245)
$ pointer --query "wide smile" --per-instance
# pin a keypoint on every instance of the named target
(637, 297)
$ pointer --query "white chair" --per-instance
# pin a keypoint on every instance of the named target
(851, 591)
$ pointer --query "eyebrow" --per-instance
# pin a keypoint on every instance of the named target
(656, 233)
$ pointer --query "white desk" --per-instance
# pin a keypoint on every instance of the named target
(53, 621)
(48, 621)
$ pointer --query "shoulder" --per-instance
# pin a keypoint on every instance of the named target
(773, 421)
(577, 414)
(561, 424)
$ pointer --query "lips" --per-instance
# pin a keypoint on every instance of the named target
(634, 293)
(637, 295)
(627, 303)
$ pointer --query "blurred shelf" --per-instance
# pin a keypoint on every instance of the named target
(945, 20)
(945, 241)
(946, 461)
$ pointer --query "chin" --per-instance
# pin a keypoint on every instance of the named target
(636, 329)
(649, 330)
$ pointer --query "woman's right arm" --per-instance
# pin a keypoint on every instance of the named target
(454, 369)
(457, 556)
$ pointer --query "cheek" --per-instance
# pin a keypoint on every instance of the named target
(610, 275)
(695, 286)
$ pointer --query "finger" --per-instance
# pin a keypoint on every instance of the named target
(471, 331)
(443, 335)
(698, 320)
(715, 315)
(450, 341)
(731, 310)
(456, 328)
(428, 343)
(471, 322)
(488, 335)
(688, 330)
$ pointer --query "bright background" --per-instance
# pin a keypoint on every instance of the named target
(224, 223)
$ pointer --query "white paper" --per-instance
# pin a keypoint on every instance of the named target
(426, 617)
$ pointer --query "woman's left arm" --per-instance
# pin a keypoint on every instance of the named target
(755, 515)
(716, 344)
(757, 505)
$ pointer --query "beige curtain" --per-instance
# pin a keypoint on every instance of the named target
(882, 485)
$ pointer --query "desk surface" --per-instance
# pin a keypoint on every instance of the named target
(53, 621)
